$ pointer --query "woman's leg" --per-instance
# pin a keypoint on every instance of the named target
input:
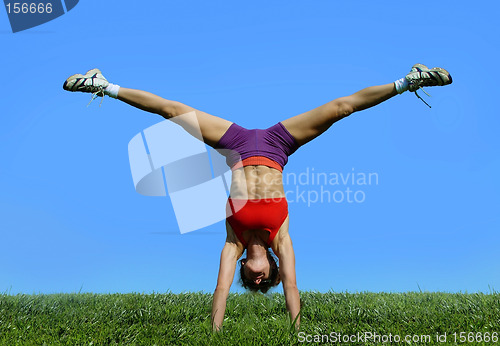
(307, 126)
(200, 124)
(211, 127)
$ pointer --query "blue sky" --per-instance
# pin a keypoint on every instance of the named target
(71, 220)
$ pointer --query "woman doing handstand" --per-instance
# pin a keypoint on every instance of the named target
(257, 210)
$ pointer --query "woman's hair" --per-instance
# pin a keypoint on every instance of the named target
(264, 286)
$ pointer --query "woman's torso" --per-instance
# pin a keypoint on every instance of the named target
(257, 185)
(258, 182)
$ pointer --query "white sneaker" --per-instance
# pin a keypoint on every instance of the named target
(91, 82)
(420, 76)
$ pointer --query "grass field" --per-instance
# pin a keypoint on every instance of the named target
(251, 319)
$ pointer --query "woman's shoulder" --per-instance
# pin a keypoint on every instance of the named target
(282, 238)
(232, 238)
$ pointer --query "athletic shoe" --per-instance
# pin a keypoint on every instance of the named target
(91, 82)
(420, 76)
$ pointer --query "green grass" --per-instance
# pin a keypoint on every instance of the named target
(251, 319)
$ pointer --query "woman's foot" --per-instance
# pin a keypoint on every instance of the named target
(91, 82)
(421, 76)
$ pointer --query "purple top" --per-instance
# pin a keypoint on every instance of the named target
(275, 143)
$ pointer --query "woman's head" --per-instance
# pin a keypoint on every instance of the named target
(260, 275)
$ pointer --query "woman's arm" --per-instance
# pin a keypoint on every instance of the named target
(288, 278)
(230, 253)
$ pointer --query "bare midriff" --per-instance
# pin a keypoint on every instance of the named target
(257, 182)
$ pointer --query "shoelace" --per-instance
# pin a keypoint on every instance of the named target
(94, 96)
(425, 92)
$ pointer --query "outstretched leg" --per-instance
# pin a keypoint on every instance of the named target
(211, 127)
(307, 126)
